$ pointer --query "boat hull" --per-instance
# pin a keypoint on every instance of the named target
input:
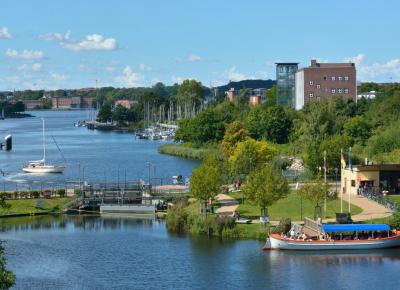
(44, 169)
(279, 243)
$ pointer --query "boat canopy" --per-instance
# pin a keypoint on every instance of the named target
(335, 228)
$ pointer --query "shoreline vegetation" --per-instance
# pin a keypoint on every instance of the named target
(185, 217)
(188, 151)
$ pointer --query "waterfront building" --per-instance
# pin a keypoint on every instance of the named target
(324, 81)
(285, 83)
(66, 102)
(367, 95)
(375, 177)
(33, 104)
(125, 103)
(231, 94)
(255, 100)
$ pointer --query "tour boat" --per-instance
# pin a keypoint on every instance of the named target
(40, 166)
(324, 242)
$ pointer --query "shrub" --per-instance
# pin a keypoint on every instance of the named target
(61, 192)
(177, 218)
(283, 227)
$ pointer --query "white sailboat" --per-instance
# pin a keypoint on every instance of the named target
(40, 166)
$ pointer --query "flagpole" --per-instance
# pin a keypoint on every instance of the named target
(341, 174)
(325, 181)
(351, 169)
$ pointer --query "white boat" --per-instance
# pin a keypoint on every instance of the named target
(40, 166)
(386, 239)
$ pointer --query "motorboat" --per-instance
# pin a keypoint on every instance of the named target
(40, 166)
(337, 237)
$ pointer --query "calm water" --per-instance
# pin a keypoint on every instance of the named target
(93, 155)
(124, 253)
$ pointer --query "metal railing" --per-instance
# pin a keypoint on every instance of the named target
(376, 194)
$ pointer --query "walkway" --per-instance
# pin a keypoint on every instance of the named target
(228, 204)
(370, 209)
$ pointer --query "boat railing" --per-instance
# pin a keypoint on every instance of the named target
(312, 227)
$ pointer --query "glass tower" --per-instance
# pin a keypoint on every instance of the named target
(285, 83)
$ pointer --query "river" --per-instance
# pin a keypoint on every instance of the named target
(81, 252)
(89, 155)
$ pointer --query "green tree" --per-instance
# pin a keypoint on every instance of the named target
(271, 97)
(265, 186)
(7, 278)
(105, 113)
(206, 180)
(234, 134)
(357, 129)
(316, 192)
(120, 115)
(190, 91)
(250, 155)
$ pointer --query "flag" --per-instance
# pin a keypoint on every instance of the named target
(342, 161)
(350, 164)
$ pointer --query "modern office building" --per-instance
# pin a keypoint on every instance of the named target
(285, 83)
(324, 81)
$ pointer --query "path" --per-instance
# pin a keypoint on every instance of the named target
(228, 204)
(370, 209)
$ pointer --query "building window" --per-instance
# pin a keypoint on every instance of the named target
(340, 91)
(318, 86)
(353, 183)
(311, 95)
(339, 78)
(346, 91)
(324, 78)
(311, 83)
(346, 78)
(333, 78)
(333, 91)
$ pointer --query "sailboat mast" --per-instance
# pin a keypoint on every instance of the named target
(44, 145)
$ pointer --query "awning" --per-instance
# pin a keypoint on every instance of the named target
(355, 228)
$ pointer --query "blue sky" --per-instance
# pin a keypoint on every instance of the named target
(69, 44)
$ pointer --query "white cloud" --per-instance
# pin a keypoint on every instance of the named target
(30, 67)
(59, 77)
(128, 78)
(55, 36)
(144, 67)
(91, 42)
(388, 71)
(37, 66)
(189, 58)
(4, 33)
(25, 54)
(233, 74)
(358, 59)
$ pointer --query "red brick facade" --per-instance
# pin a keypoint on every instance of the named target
(327, 80)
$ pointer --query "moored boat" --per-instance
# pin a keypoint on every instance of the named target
(40, 166)
(338, 237)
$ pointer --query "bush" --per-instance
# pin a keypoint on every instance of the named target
(283, 227)
(61, 192)
(35, 194)
(177, 218)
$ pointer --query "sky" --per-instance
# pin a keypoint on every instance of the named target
(47, 44)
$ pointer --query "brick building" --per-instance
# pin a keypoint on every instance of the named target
(66, 102)
(324, 81)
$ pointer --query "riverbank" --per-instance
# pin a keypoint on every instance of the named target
(187, 151)
(20, 207)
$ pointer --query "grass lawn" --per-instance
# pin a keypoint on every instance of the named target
(290, 207)
(24, 206)
(395, 198)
